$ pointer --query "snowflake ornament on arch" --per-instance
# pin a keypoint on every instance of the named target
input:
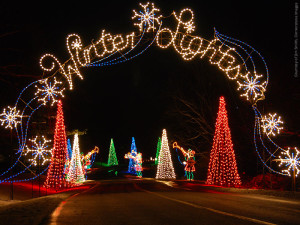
(48, 91)
(76, 44)
(10, 117)
(291, 160)
(40, 150)
(147, 18)
(271, 124)
(254, 89)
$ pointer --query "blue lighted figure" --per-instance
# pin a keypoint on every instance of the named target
(138, 161)
(133, 153)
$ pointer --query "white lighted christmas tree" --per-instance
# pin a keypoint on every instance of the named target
(165, 169)
(75, 172)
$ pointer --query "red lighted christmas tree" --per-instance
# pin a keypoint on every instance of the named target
(56, 177)
(222, 169)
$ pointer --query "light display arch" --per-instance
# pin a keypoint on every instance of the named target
(235, 58)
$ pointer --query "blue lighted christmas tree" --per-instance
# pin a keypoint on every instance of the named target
(69, 155)
(131, 166)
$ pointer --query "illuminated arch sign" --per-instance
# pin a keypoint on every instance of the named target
(235, 58)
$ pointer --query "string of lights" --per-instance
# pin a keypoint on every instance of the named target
(220, 51)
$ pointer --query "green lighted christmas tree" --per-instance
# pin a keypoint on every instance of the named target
(112, 157)
(158, 150)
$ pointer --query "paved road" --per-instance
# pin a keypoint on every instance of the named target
(139, 202)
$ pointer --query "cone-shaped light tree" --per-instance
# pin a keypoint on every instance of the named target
(165, 169)
(112, 157)
(75, 173)
(55, 175)
(133, 152)
(158, 150)
(222, 168)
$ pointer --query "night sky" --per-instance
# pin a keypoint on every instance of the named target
(138, 98)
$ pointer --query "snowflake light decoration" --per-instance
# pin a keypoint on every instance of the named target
(252, 86)
(49, 92)
(271, 124)
(76, 44)
(147, 18)
(10, 117)
(291, 159)
(40, 150)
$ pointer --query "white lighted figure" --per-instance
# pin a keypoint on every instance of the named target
(148, 17)
(271, 124)
(49, 91)
(251, 85)
(291, 160)
(10, 117)
(39, 150)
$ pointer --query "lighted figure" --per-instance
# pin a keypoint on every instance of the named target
(10, 117)
(86, 160)
(133, 152)
(271, 124)
(39, 150)
(291, 160)
(147, 18)
(253, 87)
(49, 91)
(189, 162)
(138, 160)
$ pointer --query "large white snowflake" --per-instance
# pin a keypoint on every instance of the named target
(271, 124)
(39, 150)
(147, 18)
(291, 160)
(251, 85)
(49, 91)
(10, 117)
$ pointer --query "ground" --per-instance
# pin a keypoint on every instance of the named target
(129, 200)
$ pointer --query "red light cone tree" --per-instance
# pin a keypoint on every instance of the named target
(55, 176)
(222, 168)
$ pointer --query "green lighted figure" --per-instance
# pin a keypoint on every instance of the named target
(189, 162)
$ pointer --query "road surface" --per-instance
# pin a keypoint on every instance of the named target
(146, 201)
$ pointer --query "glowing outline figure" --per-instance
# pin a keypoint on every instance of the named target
(147, 18)
(252, 87)
(11, 117)
(290, 160)
(49, 91)
(86, 159)
(138, 161)
(189, 161)
(271, 124)
(40, 150)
